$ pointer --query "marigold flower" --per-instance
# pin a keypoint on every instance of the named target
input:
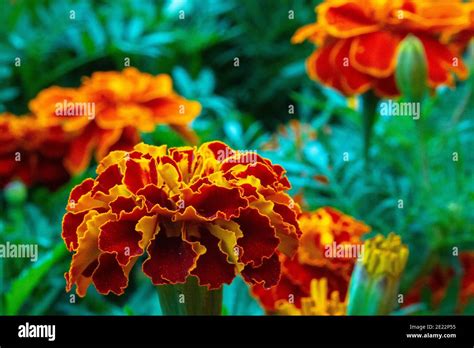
(439, 279)
(31, 152)
(208, 213)
(358, 42)
(324, 231)
(110, 109)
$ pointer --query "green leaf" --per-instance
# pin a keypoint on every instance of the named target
(23, 286)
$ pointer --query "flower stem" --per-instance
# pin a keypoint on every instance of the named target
(189, 298)
(369, 116)
(2, 312)
(423, 153)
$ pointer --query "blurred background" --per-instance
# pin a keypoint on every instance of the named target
(266, 103)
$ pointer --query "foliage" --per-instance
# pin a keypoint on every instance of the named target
(248, 108)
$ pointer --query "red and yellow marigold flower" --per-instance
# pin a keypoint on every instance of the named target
(31, 152)
(321, 231)
(357, 42)
(209, 213)
(123, 103)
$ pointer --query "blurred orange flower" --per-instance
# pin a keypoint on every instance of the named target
(465, 35)
(210, 212)
(31, 152)
(357, 42)
(110, 109)
(325, 231)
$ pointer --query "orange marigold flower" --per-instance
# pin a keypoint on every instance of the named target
(210, 212)
(324, 232)
(110, 109)
(439, 279)
(31, 152)
(358, 41)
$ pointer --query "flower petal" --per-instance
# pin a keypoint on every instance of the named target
(170, 259)
(139, 173)
(86, 253)
(80, 152)
(109, 275)
(442, 63)
(346, 19)
(352, 80)
(121, 238)
(70, 224)
(107, 179)
(216, 202)
(212, 267)
(259, 239)
(157, 200)
(375, 54)
(268, 273)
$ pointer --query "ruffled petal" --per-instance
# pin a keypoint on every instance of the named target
(70, 224)
(170, 259)
(86, 254)
(107, 179)
(120, 237)
(212, 267)
(259, 239)
(109, 276)
(213, 202)
(267, 274)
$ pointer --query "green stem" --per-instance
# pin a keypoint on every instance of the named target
(369, 116)
(422, 148)
(189, 299)
(2, 292)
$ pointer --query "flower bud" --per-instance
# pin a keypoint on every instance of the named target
(375, 280)
(411, 73)
(15, 193)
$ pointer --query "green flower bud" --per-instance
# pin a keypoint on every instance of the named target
(15, 193)
(411, 73)
(374, 284)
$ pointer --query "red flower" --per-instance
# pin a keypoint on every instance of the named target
(31, 152)
(210, 212)
(439, 279)
(322, 230)
(358, 40)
